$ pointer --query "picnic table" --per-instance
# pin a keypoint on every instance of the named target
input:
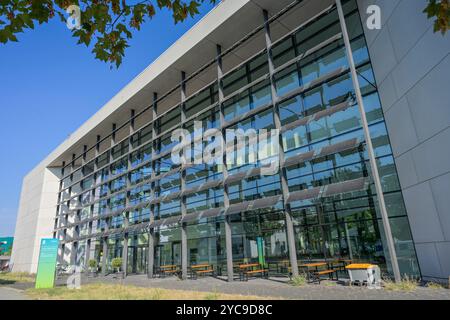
(169, 269)
(249, 269)
(315, 270)
(201, 269)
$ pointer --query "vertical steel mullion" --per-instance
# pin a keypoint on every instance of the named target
(87, 251)
(105, 255)
(83, 163)
(128, 175)
(130, 147)
(125, 254)
(73, 166)
(184, 248)
(73, 244)
(277, 122)
(125, 214)
(370, 150)
(97, 153)
(73, 255)
(58, 214)
(83, 158)
(226, 198)
(113, 135)
(151, 253)
(151, 233)
(110, 160)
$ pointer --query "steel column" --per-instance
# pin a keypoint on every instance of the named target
(113, 135)
(284, 185)
(370, 151)
(184, 248)
(151, 253)
(83, 158)
(151, 235)
(73, 254)
(105, 255)
(226, 198)
(87, 253)
(125, 255)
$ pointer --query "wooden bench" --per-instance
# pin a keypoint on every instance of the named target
(316, 275)
(203, 272)
(249, 269)
(167, 270)
(315, 270)
(263, 272)
(201, 269)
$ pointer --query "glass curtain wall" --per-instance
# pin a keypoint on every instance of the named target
(349, 225)
(318, 112)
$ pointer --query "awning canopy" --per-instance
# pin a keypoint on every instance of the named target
(355, 185)
(166, 222)
(323, 152)
(253, 205)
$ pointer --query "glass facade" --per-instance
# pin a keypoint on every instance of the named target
(134, 188)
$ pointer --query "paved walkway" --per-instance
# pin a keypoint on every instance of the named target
(11, 294)
(277, 288)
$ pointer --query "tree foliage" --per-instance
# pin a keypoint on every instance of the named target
(108, 25)
(440, 11)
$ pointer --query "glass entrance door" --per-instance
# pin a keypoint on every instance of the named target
(141, 260)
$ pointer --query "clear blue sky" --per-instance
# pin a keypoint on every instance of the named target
(49, 86)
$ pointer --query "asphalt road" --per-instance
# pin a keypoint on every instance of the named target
(11, 294)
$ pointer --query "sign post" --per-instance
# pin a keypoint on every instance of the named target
(47, 264)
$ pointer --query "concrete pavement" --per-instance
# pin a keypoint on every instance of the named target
(11, 294)
(276, 288)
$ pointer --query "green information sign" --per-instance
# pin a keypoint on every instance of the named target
(261, 257)
(47, 263)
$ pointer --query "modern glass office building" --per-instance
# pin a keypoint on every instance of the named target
(122, 195)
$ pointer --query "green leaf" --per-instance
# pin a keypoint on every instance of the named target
(3, 36)
(13, 38)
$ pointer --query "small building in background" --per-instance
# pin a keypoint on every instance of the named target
(6, 244)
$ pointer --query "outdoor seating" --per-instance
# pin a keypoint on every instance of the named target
(166, 270)
(252, 269)
(315, 271)
(202, 270)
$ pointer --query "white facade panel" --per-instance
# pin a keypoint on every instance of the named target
(415, 96)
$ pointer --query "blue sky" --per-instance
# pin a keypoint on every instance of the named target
(49, 86)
